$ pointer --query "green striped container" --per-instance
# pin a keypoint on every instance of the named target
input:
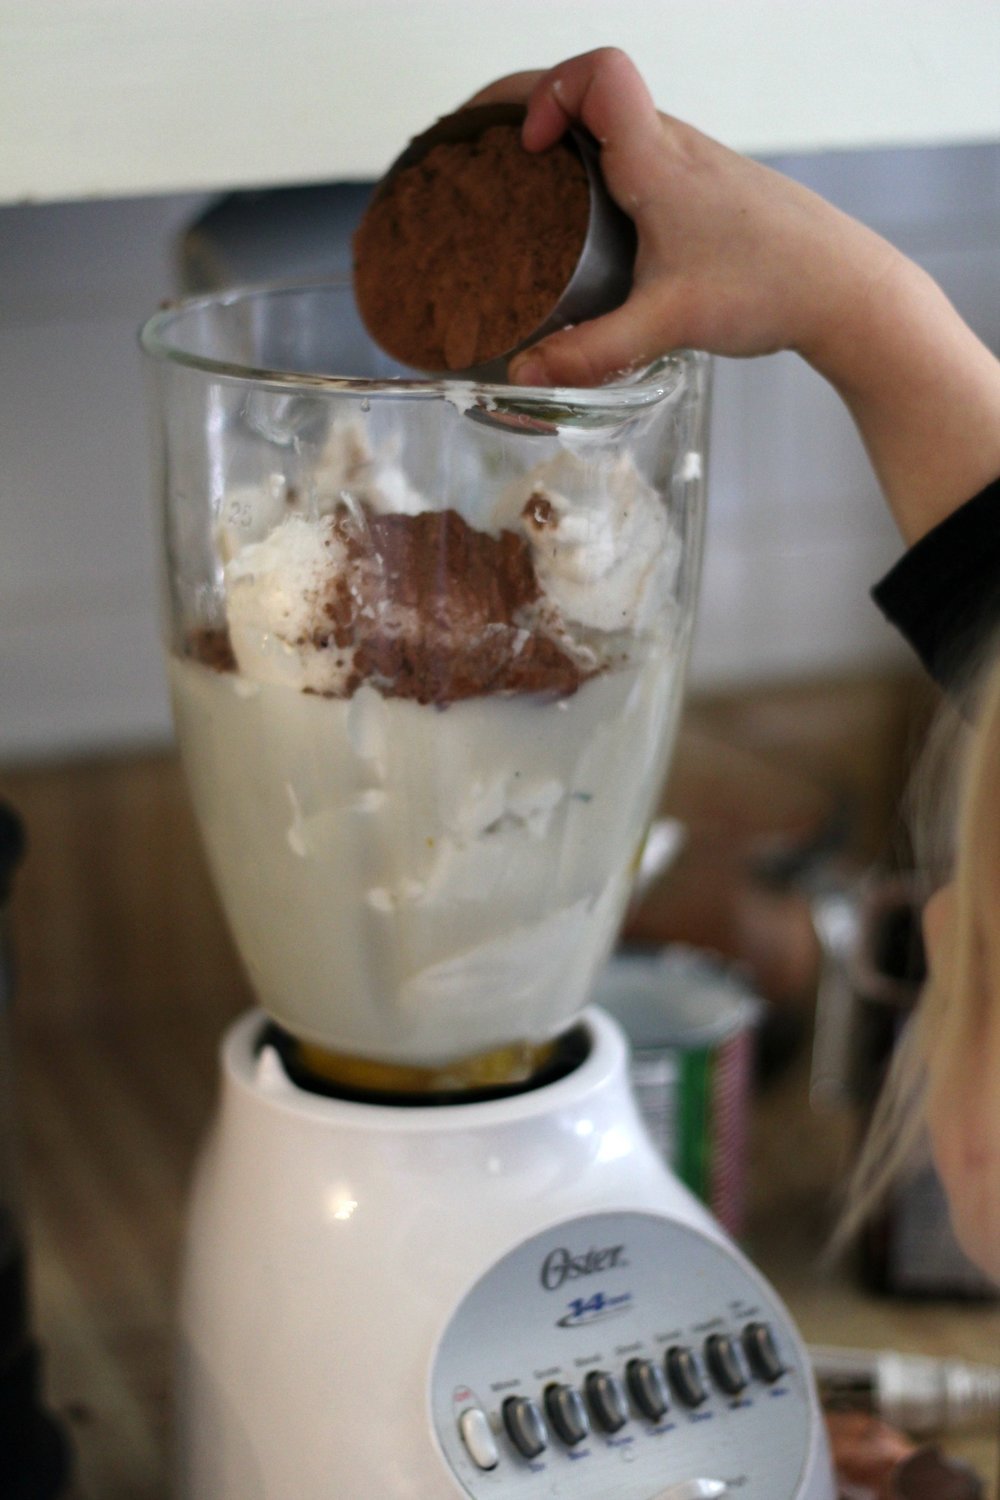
(690, 1025)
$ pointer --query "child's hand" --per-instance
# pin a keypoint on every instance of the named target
(736, 259)
(732, 257)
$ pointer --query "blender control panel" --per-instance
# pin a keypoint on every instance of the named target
(625, 1355)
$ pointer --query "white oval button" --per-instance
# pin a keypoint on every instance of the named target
(477, 1435)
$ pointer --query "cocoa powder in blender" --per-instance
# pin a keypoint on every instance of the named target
(464, 253)
(430, 609)
(454, 611)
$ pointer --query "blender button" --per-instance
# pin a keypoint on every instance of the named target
(566, 1412)
(647, 1388)
(474, 1426)
(524, 1425)
(725, 1361)
(762, 1351)
(606, 1395)
(684, 1375)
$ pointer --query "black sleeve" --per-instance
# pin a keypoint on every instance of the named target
(944, 594)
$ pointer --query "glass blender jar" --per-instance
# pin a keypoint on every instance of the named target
(426, 646)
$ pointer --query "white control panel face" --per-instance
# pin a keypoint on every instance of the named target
(621, 1357)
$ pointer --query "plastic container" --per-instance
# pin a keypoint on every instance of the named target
(691, 1025)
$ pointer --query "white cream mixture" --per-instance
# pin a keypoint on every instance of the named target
(415, 883)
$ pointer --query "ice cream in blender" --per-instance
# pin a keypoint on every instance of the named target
(423, 743)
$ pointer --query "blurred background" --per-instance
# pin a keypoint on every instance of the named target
(149, 149)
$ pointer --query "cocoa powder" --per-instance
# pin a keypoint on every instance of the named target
(454, 627)
(433, 610)
(467, 251)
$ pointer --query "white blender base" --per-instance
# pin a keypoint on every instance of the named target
(377, 1301)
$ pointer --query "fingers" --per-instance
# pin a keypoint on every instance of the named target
(593, 353)
(604, 91)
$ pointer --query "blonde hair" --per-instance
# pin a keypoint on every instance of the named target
(964, 986)
(956, 817)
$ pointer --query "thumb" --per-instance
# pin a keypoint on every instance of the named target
(593, 353)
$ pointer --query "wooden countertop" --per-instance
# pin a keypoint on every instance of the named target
(126, 982)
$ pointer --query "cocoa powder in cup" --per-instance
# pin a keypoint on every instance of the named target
(464, 253)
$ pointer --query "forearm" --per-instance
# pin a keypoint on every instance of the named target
(923, 390)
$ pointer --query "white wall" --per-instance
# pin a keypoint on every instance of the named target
(796, 536)
(114, 98)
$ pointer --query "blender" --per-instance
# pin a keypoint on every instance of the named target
(426, 644)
